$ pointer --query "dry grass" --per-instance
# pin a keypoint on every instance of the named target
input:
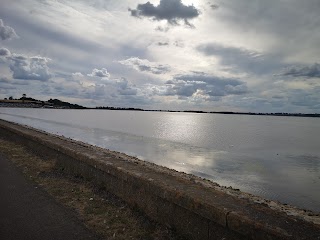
(99, 210)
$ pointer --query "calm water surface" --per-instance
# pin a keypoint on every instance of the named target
(273, 157)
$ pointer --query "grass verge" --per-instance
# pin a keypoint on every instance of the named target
(100, 210)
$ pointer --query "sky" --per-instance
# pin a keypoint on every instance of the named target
(223, 55)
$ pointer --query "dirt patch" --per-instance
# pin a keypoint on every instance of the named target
(100, 210)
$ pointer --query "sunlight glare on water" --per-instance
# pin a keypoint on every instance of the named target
(178, 127)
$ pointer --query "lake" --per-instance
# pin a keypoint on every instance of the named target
(274, 157)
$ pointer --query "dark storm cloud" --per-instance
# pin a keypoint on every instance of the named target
(6, 32)
(213, 86)
(144, 65)
(312, 71)
(99, 73)
(29, 68)
(171, 10)
(4, 52)
(242, 59)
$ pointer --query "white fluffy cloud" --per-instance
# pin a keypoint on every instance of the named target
(144, 65)
(29, 68)
(103, 73)
(77, 74)
(6, 32)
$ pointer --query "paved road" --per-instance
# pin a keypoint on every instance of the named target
(27, 212)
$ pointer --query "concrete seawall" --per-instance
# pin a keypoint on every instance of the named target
(196, 208)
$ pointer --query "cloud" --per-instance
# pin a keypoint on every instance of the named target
(305, 98)
(4, 88)
(171, 10)
(269, 25)
(29, 68)
(274, 16)
(179, 43)
(312, 71)
(4, 52)
(242, 59)
(144, 65)
(207, 85)
(77, 74)
(12, 82)
(8, 86)
(162, 43)
(103, 73)
(124, 87)
(162, 29)
(244, 44)
(4, 80)
(115, 88)
(6, 32)
(111, 91)
(213, 6)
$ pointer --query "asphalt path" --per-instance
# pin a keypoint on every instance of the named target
(28, 212)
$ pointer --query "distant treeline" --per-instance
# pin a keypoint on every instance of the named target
(120, 108)
(215, 112)
(57, 102)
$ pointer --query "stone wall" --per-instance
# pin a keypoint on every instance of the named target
(192, 206)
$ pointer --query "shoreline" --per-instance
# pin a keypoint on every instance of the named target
(125, 170)
(39, 106)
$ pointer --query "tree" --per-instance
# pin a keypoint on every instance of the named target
(10, 98)
(24, 97)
